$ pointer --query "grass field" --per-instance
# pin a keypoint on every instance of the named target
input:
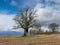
(44, 39)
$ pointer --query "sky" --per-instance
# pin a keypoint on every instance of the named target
(48, 11)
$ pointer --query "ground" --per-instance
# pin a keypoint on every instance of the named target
(41, 39)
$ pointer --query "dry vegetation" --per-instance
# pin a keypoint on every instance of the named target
(43, 39)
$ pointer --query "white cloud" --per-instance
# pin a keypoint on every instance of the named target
(13, 3)
(6, 21)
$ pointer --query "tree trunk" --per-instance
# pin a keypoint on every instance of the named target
(25, 32)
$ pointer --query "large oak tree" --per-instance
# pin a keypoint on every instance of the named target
(25, 19)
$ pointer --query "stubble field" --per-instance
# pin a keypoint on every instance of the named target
(44, 39)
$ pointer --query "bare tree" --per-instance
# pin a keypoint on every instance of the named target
(25, 19)
(53, 27)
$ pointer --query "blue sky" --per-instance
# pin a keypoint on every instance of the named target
(48, 11)
(8, 5)
(14, 5)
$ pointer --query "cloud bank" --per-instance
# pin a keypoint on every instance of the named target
(48, 14)
(6, 22)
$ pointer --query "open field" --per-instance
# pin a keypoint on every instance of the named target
(44, 39)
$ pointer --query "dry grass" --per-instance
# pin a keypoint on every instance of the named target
(44, 39)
